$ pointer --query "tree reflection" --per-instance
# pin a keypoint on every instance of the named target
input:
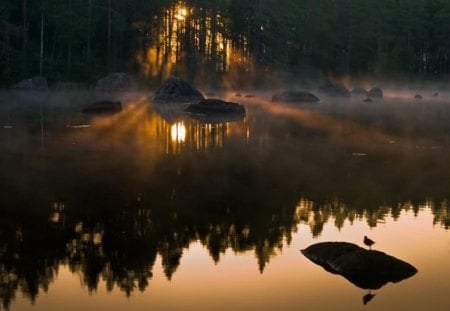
(109, 201)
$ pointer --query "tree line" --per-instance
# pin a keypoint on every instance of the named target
(82, 40)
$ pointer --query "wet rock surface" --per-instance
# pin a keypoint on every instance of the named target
(295, 97)
(375, 92)
(103, 107)
(359, 91)
(334, 90)
(175, 89)
(367, 269)
(215, 107)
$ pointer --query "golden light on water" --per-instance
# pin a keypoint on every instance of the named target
(178, 132)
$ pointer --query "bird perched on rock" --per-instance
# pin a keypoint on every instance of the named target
(368, 242)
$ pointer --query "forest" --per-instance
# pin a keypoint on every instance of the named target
(218, 41)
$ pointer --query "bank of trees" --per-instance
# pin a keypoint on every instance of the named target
(81, 40)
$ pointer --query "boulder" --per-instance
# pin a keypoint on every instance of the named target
(359, 91)
(177, 90)
(103, 107)
(375, 92)
(116, 82)
(295, 97)
(215, 107)
(367, 269)
(334, 90)
(37, 83)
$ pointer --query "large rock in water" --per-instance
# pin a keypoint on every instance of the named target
(214, 107)
(376, 92)
(37, 83)
(103, 107)
(116, 82)
(177, 90)
(334, 90)
(359, 91)
(367, 269)
(295, 97)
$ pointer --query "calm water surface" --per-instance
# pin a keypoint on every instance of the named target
(149, 209)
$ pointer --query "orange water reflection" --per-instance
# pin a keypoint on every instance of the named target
(290, 280)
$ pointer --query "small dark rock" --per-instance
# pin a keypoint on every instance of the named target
(359, 91)
(249, 96)
(116, 82)
(376, 92)
(418, 96)
(295, 97)
(103, 107)
(367, 100)
(367, 269)
(436, 94)
(177, 90)
(334, 90)
(238, 95)
(215, 106)
(37, 83)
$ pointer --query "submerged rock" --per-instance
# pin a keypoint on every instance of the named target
(103, 107)
(335, 90)
(295, 97)
(116, 82)
(359, 91)
(215, 107)
(37, 83)
(367, 269)
(177, 90)
(375, 92)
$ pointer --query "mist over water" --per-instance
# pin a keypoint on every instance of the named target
(138, 201)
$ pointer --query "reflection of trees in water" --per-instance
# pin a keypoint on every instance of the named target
(109, 205)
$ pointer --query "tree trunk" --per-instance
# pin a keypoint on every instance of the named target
(24, 35)
(89, 32)
(69, 47)
(109, 36)
(41, 56)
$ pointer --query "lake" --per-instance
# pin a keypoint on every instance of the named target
(150, 209)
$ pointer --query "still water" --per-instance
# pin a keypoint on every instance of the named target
(149, 209)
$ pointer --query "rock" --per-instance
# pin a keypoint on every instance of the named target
(103, 107)
(37, 83)
(436, 94)
(215, 107)
(249, 96)
(295, 97)
(177, 90)
(375, 92)
(367, 100)
(418, 96)
(359, 91)
(334, 90)
(367, 269)
(238, 95)
(116, 82)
